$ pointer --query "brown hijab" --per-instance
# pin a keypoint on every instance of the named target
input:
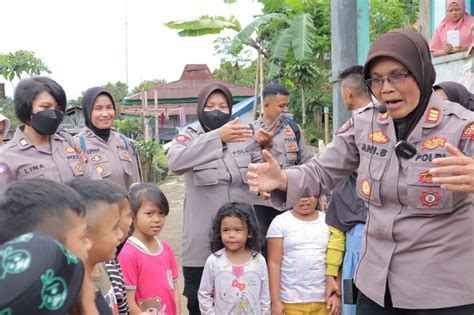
(204, 95)
(409, 48)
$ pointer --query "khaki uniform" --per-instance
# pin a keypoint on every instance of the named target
(419, 238)
(114, 160)
(285, 146)
(62, 161)
(214, 174)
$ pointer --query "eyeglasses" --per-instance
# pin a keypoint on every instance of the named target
(393, 79)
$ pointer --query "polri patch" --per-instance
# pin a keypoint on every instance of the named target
(430, 198)
(378, 136)
(468, 132)
(182, 139)
(433, 115)
(434, 143)
(347, 125)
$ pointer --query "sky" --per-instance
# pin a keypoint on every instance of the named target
(83, 42)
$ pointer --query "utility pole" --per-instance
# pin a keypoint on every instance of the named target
(126, 44)
(157, 131)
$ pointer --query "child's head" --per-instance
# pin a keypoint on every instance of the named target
(41, 205)
(103, 216)
(39, 276)
(235, 227)
(149, 209)
(306, 206)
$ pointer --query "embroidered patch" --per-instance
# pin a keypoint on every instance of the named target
(434, 143)
(292, 147)
(365, 187)
(96, 158)
(81, 154)
(425, 177)
(433, 115)
(99, 169)
(378, 136)
(181, 139)
(125, 155)
(430, 198)
(468, 132)
(383, 116)
(289, 133)
(70, 150)
(348, 124)
(3, 168)
(79, 168)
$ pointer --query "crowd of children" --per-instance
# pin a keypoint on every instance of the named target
(96, 250)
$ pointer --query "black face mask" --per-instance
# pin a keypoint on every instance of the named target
(46, 122)
(214, 119)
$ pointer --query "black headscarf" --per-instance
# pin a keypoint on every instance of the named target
(457, 93)
(88, 100)
(411, 49)
(204, 95)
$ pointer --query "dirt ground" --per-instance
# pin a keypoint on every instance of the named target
(173, 188)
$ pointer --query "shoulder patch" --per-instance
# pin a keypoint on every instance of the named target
(433, 115)
(347, 125)
(468, 132)
(183, 139)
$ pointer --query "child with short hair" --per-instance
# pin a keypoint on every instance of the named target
(235, 277)
(297, 245)
(101, 198)
(148, 263)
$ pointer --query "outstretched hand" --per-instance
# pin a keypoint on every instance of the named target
(265, 177)
(458, 167)
(234, 132)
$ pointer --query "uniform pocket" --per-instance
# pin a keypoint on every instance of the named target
(126, 161)
(101, 163)
(424, 197)
(243, 162)
(369, 181)
(206, 174)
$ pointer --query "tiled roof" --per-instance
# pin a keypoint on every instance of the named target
(193, 79)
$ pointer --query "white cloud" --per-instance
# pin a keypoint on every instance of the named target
(83, 42)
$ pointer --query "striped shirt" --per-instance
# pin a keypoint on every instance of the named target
(116, 279)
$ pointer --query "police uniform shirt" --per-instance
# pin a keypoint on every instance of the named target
(61, 161)
(114, 160)
(419, 237)
(285, 146)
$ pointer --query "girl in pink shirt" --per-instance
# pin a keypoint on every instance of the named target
(148, 263)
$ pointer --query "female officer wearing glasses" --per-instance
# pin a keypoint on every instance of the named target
(417, 252)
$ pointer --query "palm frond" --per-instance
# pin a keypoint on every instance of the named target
(302, 32)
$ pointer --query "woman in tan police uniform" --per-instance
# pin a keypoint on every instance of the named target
(37, 149)
(417, 253)
(111, 153)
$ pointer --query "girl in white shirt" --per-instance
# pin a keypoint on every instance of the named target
(297, 243)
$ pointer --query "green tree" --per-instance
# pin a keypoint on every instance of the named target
(8, 111)
(19, 63)
(386, 15)
(148, 84)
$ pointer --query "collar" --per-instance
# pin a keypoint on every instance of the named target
(431, 118)
(24, 143)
